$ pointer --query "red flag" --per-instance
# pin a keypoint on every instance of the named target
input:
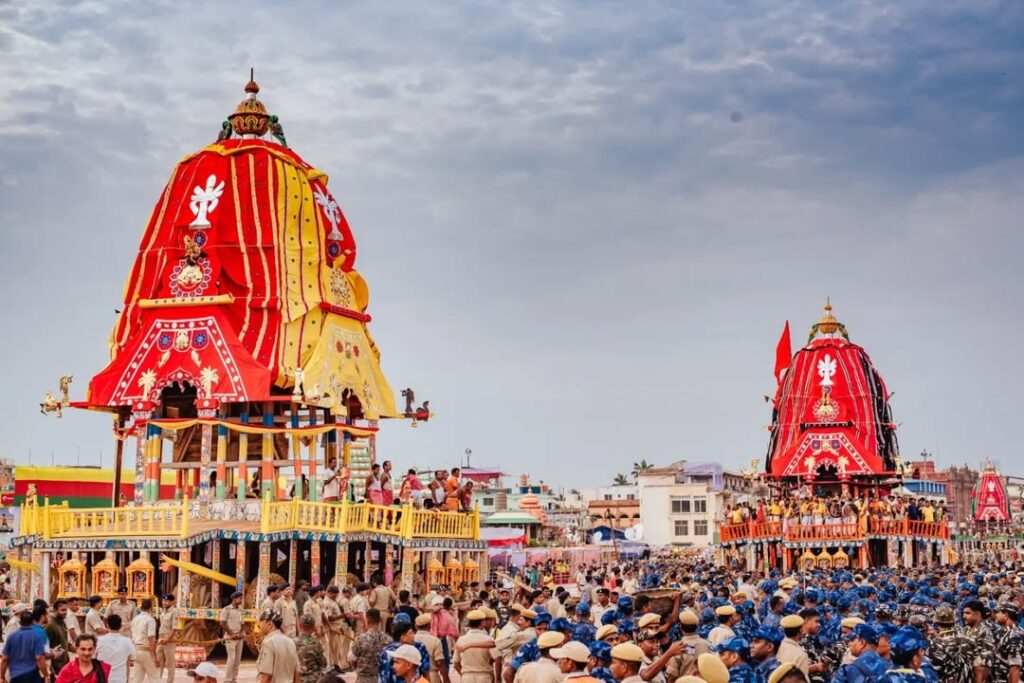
(783, 354)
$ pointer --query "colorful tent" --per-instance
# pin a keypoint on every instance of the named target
(81, 487)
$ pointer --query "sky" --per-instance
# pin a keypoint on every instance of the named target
(584, 224)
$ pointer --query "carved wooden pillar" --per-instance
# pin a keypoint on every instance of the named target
(340, 562)
(314, 562)
(243, 456)
(240, 567)
(269, 481)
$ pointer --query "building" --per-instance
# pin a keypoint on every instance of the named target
(680, 504)
(617, 514)
(923, 488)
(959, 482)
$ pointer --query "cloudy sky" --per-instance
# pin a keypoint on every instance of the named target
(583, 224)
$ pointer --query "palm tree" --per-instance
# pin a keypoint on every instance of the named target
(620, 480)
(640, 467)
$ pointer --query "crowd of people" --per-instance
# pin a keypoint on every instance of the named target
(954, 624)
(819, 510)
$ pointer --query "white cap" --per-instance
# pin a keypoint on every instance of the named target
(205, 670)
(574, 650)
(408, 653)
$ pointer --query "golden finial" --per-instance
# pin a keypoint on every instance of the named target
(250, 117)
(828, 324)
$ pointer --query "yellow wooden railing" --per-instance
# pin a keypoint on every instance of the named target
(61, 521)
(345, 517)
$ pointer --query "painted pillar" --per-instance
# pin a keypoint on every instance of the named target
(340, 562)
(314, 485)
(240, 568)
(372, 442)
(179, 485)
(268, 484)
(263, 576)
(184, 582)
(367, 561)
(44, 571)
(293, 561)
(296, 448)
(314, 562)
(222, 460)
(156, 444)
(408, 569)
(242, 482)
(215, 561)
(389, 563)
(908, 553)
(141, 411)
(207, 410)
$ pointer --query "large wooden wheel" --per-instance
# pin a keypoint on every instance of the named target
(199, 637)
(253, 636)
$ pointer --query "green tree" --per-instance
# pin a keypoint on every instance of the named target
(639, 468)
(620, 480)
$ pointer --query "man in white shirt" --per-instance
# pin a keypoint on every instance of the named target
(71, 621)
(116, 650)
(332, 482)
(143, 631)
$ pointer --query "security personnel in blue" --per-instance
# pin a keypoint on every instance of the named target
(907, 648)
(583, 630)
(600, 660)
(528, 652)
(764, 646)
(868, 666)
(735, 654)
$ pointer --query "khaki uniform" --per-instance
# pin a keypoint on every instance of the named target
(720, 634)
(93, 621)
(475, 664)
(684, 664)
(433, 645)
(289, 616)
(278, 658)
(314, 608)
(127, 612)
(790, 651)
(508, 646)
(268, 603)
(165, 646)
(359, 605)
(544, 670)
(332, 631)
(142, 627)
(381, 598)
(231, 618)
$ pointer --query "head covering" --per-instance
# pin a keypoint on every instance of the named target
(865, 632)
(475, 615)
(528, 613)
(423, 620)
(402, 618)
(792, 621)
(688, 618)
(725, 611)
(407, 653)
(549, 639)
(204, 670)
(605, 631)
(735, 644)
(712, 669)
(560, 624)
(601, 651)
(583, 609)
(907, 640)
(574, 650)
(780, 671)
(769, 633)
(237, 594)
(628, 652)
(851, 622)
(648, 620)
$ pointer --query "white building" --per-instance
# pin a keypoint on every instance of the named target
(583, 497)
(681, 504)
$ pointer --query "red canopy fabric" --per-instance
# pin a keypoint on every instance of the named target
(179, 345)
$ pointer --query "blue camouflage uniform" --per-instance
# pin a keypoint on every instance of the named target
(903, 676)
(867, 668)
(584, 632)
(765, 668)
(742, 673)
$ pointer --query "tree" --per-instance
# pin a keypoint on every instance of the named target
(620, 480)
(640, 467)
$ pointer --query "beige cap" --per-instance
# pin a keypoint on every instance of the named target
(780, 671)
(574, 650)
(739, 595)
(528, 613)
(549, 639)
(851, 622)
(628, 652)
(476, 615)
(792, 621)
(648, 619)
(725, 611)
(712, 669)
(605, 631)
(423, 620)
(689, 617)
(489, 613)
(690, 679)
